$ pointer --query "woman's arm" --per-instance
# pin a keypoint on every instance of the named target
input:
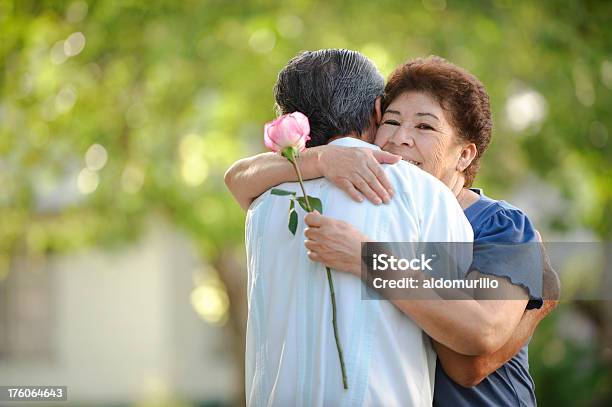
(468, 371)
(357, 171)
(467, 326)
(474, 327)
(250, 177)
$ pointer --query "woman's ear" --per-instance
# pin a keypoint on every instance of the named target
(468, 153)
(377, 111)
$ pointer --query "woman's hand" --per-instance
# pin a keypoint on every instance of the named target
(357, 171)
(334, 243)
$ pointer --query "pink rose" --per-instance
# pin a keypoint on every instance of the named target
(288, 135)
(289, 130)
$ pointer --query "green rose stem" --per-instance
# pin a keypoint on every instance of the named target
(290, 154)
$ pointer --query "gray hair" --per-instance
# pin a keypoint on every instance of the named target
(335, 88)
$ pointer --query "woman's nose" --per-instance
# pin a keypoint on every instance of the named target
(402, 137)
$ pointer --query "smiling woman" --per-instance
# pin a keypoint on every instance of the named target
(447, 106)
(415, 127)
(437, 116)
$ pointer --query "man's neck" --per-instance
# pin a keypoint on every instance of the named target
(365, 136)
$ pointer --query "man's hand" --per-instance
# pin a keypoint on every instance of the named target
(357, 171)
(334, 243)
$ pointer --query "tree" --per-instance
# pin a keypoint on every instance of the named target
(111, 111)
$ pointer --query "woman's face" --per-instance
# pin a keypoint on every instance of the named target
(415, 126)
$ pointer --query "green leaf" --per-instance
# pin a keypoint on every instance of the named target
(315, 203)
(293, 221)
(281, 192)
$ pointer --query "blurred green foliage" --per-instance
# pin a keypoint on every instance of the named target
(174, 92)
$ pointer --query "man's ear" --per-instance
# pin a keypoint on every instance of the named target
(468, 153)
(378, 110)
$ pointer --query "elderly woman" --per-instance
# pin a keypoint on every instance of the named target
(437, 117)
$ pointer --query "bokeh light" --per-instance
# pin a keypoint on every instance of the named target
(209, 299)
(76, 12)
(65, 99)
(194, 168)
(585, 90)
(289, 26)
(525, 108)
(132, 178)
(74, 44)
(262, 40)
(96, 157)
(87, 181)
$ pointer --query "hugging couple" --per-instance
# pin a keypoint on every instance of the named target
(391, 163)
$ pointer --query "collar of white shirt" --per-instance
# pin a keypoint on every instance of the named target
(353, 142)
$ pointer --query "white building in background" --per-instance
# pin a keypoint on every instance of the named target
(115, 325)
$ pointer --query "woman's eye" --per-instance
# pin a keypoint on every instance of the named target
(391, 122)
(424, 126)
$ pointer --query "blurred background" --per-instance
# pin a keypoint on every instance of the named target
(122, 268)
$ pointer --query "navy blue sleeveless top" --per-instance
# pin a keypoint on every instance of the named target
(511, 385)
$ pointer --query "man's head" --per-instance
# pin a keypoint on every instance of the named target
(336, 88)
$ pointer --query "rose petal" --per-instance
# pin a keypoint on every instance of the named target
(287, 131)
(267, 139)
(303, 122)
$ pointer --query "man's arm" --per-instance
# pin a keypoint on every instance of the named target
(468, 371)
(356, 171)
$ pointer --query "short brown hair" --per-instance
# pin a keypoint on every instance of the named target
(458, 92)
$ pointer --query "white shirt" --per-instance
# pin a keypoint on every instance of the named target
(291, 357)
